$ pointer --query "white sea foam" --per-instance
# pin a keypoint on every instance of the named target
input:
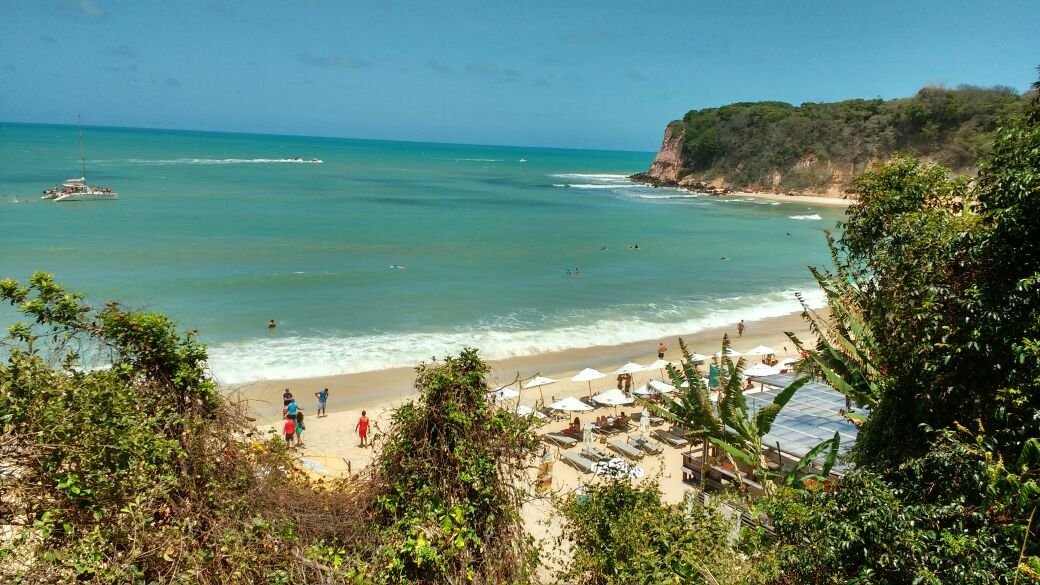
(602, 186)
(594, 177)
(301, 357)
(813, 217)
(480, 159)
(673, 195)
(559, 185)
(217, 161)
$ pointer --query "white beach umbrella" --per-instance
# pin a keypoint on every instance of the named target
(630, 368)
(697, 357)
(588, 375)
(538, 382)
(730, 352)
(570, 404)
(644, 390)
(761, 370)
(658, 365)
(613, 397)
(503, 393)
(787, 361)
(528, 411)
(760, 350)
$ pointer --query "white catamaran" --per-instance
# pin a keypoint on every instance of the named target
(78, 189)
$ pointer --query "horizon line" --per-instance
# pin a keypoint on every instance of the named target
(330, 137)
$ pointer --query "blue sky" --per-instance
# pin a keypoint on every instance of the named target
(602, 74)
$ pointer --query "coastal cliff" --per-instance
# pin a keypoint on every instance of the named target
(819, 148)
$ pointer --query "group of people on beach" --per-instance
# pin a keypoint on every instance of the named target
(293, 426)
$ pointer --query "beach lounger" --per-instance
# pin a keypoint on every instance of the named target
(559, 440)
(577, 462)
(673, 440)
(646, 444)
(625, 449)
(595, 454)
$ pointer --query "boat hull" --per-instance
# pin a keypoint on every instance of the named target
(86, 196)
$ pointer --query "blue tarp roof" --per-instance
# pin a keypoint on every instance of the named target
(811, 416)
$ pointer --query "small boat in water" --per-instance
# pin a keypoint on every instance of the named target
(78, 189)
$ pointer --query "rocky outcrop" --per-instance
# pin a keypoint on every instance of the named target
(668, 164)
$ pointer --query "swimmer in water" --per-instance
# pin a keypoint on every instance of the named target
(397, 267)
(577, 272)
(271, 324)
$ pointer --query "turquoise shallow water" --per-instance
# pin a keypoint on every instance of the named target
(223, 232)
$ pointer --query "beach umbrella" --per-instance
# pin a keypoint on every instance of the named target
(588, 375)
(523, 410)
(630, 368)
(570, 404)
(761, 370)
(730, 352)
(697, 357)
(658, 365)
(613, 397)
(538, 382)
(503, 393)
(761, 350)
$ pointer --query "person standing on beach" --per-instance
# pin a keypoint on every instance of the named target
(290, 430)
(287, 397)
(740, 328)
(299, 429)
(362, 427)
(322, 397)
(660, 350)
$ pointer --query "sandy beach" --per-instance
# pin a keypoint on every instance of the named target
(803, 199)
(331, 441)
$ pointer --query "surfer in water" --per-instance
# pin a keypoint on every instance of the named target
(398, 267)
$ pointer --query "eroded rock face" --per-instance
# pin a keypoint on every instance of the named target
(668, 163)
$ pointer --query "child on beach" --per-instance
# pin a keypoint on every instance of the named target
(290, 430)
(299, 429)
(362, 427)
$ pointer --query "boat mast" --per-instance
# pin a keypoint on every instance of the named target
(82, 157)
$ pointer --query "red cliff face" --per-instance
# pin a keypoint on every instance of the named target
(668, 163)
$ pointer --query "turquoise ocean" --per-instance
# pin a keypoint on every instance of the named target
(225, 231)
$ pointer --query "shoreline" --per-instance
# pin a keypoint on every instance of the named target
(387, 387)
(803, 199)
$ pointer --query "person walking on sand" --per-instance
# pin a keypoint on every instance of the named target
(322, 397)
(290, 430)
(660, 350)
(362, 427)
(740, 328)
(287, 397)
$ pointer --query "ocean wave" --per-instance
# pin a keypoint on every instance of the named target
(602, 186)
(480, 160)
(675, 195)
(813, 217)
(216, 161)
(310, 356)
(614, 178)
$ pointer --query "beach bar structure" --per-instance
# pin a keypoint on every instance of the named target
(812, 416)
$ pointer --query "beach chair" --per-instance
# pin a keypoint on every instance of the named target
(625, 449)
(646, 444)
(560, 440)
(595, 453)
(577, 462)
(672, 440)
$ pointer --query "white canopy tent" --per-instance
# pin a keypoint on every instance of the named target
(761, 370)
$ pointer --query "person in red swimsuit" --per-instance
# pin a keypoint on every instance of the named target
(362, 427)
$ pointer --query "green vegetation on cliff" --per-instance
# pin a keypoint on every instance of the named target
(817, 145)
